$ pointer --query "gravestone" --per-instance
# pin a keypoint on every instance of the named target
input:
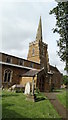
(27, 88)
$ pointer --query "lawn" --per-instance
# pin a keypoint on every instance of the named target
(15, 105)
(63, 97)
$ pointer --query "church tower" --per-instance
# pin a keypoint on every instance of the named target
(38, 49)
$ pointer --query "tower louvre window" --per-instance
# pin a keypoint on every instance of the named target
(33, 51)
(42, 51)
(31, 65)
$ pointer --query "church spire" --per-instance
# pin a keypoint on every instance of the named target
(39, 31)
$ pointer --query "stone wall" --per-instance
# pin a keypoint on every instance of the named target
(57, 80)
(18, 61)
(16, 72)
(24, 80)
(38, 53)
(33, 53)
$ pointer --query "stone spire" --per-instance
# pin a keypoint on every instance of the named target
(39, 31)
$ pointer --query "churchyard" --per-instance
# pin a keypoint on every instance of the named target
(15, 105)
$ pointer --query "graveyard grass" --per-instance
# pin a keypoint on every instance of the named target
(15, 105)
(63, 97)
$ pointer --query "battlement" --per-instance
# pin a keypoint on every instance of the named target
(32, 43)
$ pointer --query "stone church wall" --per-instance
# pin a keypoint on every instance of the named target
(16, 72)
(57, 80)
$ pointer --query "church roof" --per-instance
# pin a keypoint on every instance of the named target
(53, 68)
(32, 73)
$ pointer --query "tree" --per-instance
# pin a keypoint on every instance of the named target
(65, 79)
(61, 14)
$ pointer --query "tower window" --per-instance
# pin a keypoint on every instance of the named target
(33, 51)
(42, 52)
(31, 65)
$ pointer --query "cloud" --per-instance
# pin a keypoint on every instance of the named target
(27, 0)
(55, 61)
(61, 0)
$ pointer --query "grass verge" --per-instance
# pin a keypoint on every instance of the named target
(63, 97)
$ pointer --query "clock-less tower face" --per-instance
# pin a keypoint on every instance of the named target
(38, 49)
(33, 54)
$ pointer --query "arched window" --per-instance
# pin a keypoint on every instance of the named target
(8, 59)
(21, 62)
(42, 51)
(31, 65)
(7, 75)
(33, 51)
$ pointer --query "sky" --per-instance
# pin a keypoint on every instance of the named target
(19, 21)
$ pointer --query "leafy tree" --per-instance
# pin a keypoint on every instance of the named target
(65, 79)
(61, 14)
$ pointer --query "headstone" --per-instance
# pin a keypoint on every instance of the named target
(27, 88)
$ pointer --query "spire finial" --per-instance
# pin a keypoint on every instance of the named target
(39, 31)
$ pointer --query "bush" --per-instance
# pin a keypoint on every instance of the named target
(65, 79)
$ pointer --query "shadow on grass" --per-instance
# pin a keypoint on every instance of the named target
(7, 105)
(48, 99)
(7, 113)
(39, 99)
(33, 119)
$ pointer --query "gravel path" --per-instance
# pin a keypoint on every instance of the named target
(58, 106)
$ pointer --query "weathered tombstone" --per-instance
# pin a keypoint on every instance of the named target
(27, 88)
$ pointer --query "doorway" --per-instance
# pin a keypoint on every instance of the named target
(41, 84)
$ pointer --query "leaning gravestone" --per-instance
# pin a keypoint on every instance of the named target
(27, 88)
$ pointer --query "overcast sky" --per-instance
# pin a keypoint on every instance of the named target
(18, 26)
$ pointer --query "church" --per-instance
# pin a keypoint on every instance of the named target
(36, 68)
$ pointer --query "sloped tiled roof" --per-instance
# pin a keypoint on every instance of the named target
(54, 68)
(31, 73)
